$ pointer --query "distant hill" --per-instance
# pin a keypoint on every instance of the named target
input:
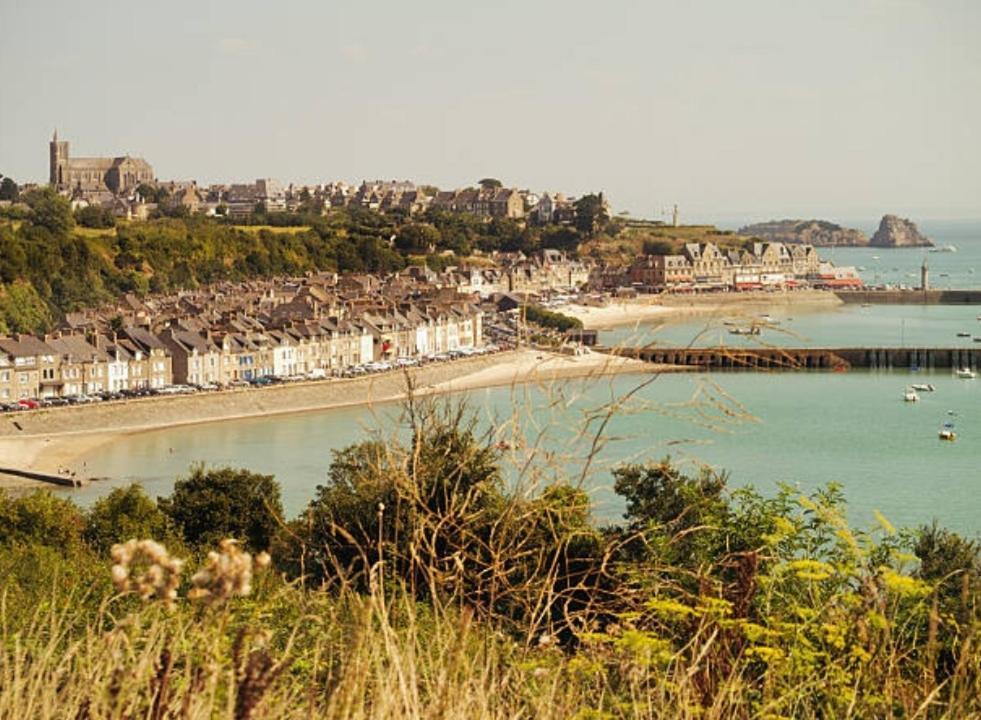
(818, 233)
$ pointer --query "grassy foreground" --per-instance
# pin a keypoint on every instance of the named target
(417, 584)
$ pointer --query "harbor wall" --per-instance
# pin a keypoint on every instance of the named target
(771, 358)
(911, 297)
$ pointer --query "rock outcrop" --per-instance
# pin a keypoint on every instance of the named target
(898, 232)
(818, 233)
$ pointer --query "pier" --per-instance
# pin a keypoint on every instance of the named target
(64, 481)
(804, 358)
(910, 297)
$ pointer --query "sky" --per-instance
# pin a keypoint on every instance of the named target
(750, 110)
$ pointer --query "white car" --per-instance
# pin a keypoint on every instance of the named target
(317, 374)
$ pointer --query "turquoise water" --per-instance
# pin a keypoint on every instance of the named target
(804, 429)
(800, 428)
(844, 326)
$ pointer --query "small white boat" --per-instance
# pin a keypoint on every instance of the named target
(966, 374)
(910, 395)
(923, 387)
(947, 434)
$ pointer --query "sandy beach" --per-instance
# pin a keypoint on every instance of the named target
(675, 307)
(50, 440)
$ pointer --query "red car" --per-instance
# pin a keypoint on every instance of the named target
(29, 404)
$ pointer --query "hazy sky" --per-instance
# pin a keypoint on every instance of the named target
(742, 109)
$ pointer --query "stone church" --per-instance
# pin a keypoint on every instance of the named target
(95, 176)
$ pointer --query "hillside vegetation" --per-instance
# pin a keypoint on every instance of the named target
(626, 241)
(50, 264)
(418, 584)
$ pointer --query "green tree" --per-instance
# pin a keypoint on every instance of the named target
(51, 211)
(489, 183)
(8, 189)
(223, 502)
(40, 518)
(92, 216)
(675, 518)
(123, 514)
(417, 238)
(591, 214)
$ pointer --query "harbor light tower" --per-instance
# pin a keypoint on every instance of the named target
(924, 276)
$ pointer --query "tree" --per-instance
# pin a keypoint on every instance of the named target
(123, 514)
(40, 518)
(223, 502)
(92, 216)
(591, 214)
(417, 238)
(51, 211)
(489, 183)
(677, 517)
(8, 189)
(658, 246)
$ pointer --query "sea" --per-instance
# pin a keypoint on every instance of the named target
(799, 430)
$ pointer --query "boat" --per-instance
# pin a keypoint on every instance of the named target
(875, 257)
(947, 432)
(966, 373)
(755, 330)
(921, 387)
(977, 339)
(910, 395)
(963, 334)
(870, 305)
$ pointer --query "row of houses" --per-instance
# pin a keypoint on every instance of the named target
(704, 266)
(194, 351)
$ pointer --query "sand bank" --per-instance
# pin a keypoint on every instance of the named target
(677, 307)
(52, 439)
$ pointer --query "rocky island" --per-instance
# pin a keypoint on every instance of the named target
(818, 233)
(899, 232)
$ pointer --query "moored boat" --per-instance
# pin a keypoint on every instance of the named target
(910, 395)
(966, 373)
(923, 387)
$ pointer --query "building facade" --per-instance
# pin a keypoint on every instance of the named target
(118, 175)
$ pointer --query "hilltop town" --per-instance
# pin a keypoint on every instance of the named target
(414, 275)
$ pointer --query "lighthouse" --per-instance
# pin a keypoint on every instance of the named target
(924, 276)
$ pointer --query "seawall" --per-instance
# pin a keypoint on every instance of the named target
(911, 297)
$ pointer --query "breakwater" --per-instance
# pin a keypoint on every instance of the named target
(789, 358)
(910, 297)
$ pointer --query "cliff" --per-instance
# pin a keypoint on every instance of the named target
(818, 233)
(898, 232)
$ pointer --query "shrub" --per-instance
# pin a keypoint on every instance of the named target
(214, 504)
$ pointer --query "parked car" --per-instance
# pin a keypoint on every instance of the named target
(317, 374)
(29, 404)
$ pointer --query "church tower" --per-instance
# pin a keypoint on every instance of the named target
(58, 167)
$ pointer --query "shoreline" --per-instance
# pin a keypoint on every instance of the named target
(676, 307)
(53, 439)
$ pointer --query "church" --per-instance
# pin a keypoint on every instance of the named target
(117, 176)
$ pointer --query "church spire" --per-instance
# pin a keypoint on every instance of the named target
(55, 138)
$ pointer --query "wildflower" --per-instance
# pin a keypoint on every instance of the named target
(227, 574)
(146, 568)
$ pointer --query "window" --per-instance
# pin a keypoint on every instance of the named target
(22, 378)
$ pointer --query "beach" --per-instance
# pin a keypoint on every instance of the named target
(52, 440)
(668, 307)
